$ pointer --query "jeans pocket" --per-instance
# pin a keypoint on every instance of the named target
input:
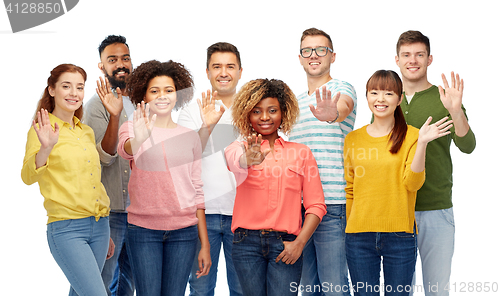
(404, 234)
(60, 225)
(238, 237)
(448, 216)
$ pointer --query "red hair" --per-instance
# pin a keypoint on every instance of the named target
(47, 101)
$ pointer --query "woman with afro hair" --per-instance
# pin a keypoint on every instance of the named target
(274, 177)
(166, 215)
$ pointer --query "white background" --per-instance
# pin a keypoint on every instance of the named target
(464, 38)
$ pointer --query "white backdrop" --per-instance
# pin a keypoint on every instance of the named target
(464, 38)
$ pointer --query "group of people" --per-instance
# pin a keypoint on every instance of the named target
(297, 198)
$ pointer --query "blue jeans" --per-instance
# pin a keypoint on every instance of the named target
(436, 243)
(396, 250)
(219, 233)
(324, 270)
(161, 260)
(79, 247)
(254, 255)
(117, 273)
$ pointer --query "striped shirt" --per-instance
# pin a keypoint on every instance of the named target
(326, 141)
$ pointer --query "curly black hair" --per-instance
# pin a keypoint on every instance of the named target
(137, 82)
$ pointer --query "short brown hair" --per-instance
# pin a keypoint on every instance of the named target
(137, 82)
(410, 37)
(316, 32)
(222, 47)
(256, 90)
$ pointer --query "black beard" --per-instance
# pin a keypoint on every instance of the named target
(115, 82)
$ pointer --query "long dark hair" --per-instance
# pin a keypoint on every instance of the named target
(389, 80)
(47, 101)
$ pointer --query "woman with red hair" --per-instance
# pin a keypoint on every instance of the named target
(61, 156)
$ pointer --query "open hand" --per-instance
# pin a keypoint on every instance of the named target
(47, 136)
(451, 97)
(433, 131)
(326, 106)
(253, 155)
(209, 114)
(113, 105)
(143, 125)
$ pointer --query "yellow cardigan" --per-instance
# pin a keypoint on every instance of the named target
(381, 187)
(70, 181)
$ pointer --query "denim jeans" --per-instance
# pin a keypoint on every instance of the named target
(324, 270)
(117, 273)
(436, 243)
(161, 260)
(254, 258)
(219, 234)
(79, 247)
(396, 250)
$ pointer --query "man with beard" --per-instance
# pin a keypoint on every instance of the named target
(116, 65)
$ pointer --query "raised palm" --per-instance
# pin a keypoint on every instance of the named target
(47, 136)
(326, 106)
(113, 105)
(253, 154)
(209, 114)
(143, 125)
(429, 132)
(451, 97)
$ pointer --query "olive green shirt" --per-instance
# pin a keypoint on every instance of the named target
(435, 194)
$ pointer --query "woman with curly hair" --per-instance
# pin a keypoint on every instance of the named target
(273, 175)
(166, 215)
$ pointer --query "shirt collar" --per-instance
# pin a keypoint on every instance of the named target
(61, 123)
(279, 141)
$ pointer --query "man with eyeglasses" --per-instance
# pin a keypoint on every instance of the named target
(327, 115)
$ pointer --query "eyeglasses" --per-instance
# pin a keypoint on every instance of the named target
(321, 51)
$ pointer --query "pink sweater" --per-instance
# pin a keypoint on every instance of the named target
(165, 184)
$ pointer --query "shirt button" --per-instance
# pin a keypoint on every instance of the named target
(406, 112)
(125, 171)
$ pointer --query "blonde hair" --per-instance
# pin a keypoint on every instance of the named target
(253, 92)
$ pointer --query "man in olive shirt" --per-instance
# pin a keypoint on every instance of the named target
(434, 208)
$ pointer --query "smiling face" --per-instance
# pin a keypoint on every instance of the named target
(161, 95)
(314, 65)
(383, 103)
(265, 118)
(413, 60)
(68, 94)
(116, 64)
(224, 72)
